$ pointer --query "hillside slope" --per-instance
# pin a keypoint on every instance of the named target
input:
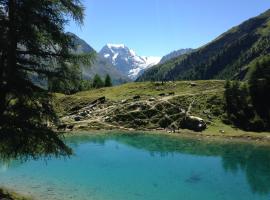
(141, 106)
(227, 57)
(175, 54)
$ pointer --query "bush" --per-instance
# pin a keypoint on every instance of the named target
(165, 122)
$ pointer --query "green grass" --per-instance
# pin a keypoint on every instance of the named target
(207, 96)
(65, 103)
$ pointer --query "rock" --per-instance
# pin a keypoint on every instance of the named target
(101, 100)
(107, 119)
(70, 127)
(162, 94)
(182, 111)
(206, 112)
(193, 84)
(137, 97)
(222, 131)
(77, 118)
(62, 127)
(152, 99)
(193, 123)
(83, 114)
(124, 101)
(209, 117)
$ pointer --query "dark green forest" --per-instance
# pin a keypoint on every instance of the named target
(33, 43)
(247, 103)
(229, 56)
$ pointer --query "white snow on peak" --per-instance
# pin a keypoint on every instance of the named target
(152, 60)
(115, 56)
(106, 55)
(126, 60)
(132, 52)
(115, 45)
(147, 62)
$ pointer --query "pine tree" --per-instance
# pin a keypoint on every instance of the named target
(97, 82)
(259, 86)
(108, 81)
(33, 43)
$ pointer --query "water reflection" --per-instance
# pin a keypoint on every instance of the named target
(253, 159)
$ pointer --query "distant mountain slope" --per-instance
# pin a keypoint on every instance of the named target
(227, 57)
(126, 60)
(175, 54)
(100, 66)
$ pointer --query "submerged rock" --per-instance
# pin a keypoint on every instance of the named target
(194, 178)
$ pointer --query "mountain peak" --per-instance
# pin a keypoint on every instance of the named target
(126, 60)
(115, 46)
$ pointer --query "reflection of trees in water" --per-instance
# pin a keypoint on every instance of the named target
(254, 160)
(258, 171)
(33, 144)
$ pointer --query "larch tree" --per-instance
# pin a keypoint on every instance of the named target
(33, 44)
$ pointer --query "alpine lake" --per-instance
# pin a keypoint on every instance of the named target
(145, 167)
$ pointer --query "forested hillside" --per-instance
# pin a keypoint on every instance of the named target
(227, 57)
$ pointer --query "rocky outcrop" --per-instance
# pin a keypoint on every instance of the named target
(193, 123)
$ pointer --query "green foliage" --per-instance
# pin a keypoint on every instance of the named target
(248, 105)
(33, 42)
(227, 57)
(259, 86)
(165, 122)
(97, 82)
(108, 81)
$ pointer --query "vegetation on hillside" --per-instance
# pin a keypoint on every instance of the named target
(247, 104)
(33, 43)
(227, 57)
(142, 106)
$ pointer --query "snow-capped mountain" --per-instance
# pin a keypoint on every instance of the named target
(99, 66)
(126, 60)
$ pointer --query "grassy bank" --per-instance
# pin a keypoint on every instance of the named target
(157, 101)
(11, 195)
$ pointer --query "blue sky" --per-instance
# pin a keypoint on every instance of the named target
(157, 27)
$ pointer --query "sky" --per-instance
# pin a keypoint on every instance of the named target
(157, 27)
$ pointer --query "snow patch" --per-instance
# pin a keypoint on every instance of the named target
(106, 55)
(116, 46)
(115, 56)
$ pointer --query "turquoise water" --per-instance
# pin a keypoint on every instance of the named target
(145, 167)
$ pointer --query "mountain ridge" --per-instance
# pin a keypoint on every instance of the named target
(126, 60)
(99, 66)
(227, 57)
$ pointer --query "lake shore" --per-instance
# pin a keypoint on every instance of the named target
(9, 194)
(208, 135)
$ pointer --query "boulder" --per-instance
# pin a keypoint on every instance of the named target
(101, 100)
(137, 97)
(77, 118)
(124, 101)
(162, 94)
(193, 123)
